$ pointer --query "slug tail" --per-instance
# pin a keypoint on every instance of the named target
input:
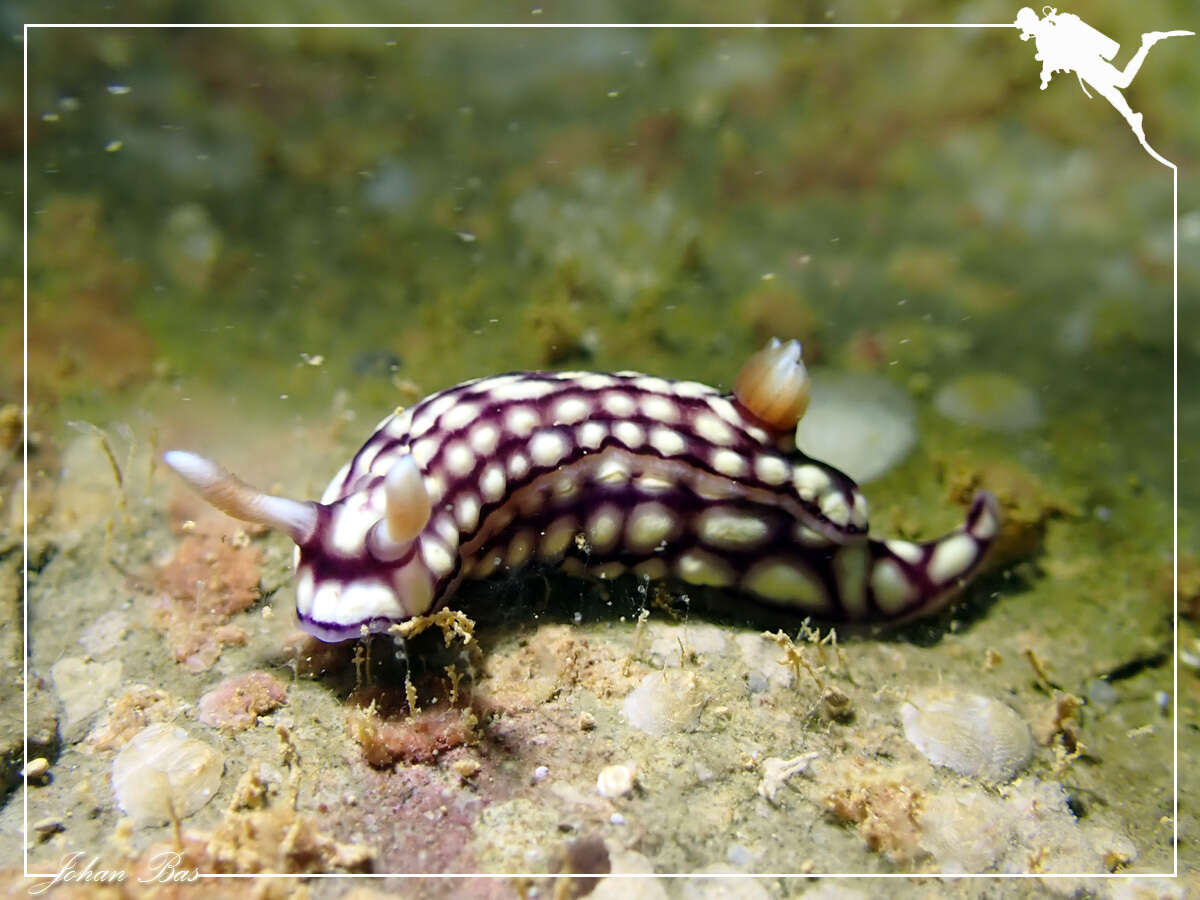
(914, 579)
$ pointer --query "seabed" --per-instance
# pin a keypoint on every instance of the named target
(256, 243)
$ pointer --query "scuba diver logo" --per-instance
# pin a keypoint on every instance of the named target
(1066, 43)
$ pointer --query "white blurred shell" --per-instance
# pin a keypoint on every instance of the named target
(864, 424)
(991, 400)
(971, 734)
(163, 768)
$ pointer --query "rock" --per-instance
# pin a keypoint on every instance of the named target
(105, 633)
(82, 689)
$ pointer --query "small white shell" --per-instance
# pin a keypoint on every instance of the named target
(971, 734)
(616, 781)
(161, 770)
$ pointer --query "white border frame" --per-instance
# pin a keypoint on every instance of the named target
(1175, 456)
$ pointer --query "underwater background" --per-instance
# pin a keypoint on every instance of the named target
(254, 243)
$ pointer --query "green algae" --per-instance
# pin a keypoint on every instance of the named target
(301, 229)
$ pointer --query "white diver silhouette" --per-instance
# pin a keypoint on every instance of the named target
(1065, 43)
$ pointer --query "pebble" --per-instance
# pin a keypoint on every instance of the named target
(1162, 700)
(971, 734)
(105, 633)
(990, 400)
(48, 826)
(82, 688)
(161, 769)
(864, 422)
(739, 855)
(36, 768)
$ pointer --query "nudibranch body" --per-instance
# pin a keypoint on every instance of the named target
(600, 474)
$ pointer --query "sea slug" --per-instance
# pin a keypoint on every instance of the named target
(600, 474)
